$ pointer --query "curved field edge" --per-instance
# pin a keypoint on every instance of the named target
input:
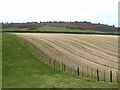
(23, 69)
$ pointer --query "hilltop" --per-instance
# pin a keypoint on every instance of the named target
(67, 25)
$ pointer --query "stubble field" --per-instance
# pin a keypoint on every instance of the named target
(75, 50)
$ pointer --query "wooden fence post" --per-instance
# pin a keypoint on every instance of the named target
(64, 67)
(87, 72)
(104, 76)
(70, 69)
(78, 70)
(73, 69)
(117, 76)
(49, 60)
(110, 76)
(59, 65)
(54, 63)
(97, 75)
(91, 72)
(42, 56)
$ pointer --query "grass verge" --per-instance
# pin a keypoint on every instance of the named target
(14, 29)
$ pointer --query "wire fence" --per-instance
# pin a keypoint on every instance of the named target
(85, 71)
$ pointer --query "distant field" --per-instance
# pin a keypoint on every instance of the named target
(53, 29)
(23, 69)
(60, 29)
(50, 29)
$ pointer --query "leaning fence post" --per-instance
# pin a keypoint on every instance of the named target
(97, 75)
(110, 76)
(78, 70)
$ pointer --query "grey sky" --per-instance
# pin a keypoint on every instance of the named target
(103, 11)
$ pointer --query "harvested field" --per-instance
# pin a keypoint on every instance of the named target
(92, 51)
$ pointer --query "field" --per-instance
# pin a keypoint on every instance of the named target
(85, 51)
(61, 29)
(50, 29)
(55, 29)
(14, 29)
(23, 69)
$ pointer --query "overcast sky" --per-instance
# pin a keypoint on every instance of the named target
(103, 11)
